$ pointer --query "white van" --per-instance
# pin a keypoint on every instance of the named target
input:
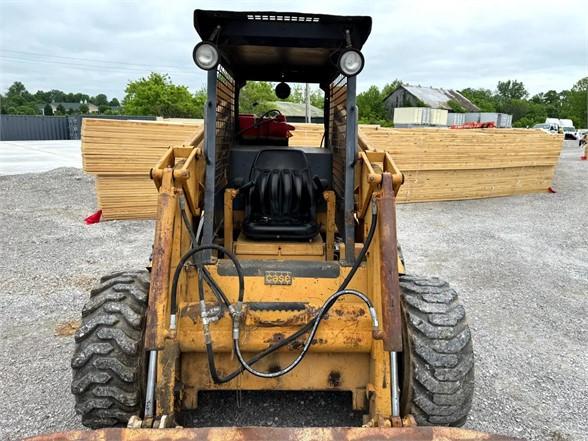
(568, 128)
(565, 125)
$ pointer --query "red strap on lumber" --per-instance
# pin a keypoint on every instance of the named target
(551, 190)
(93, 218)
(475, 125)
(583, 158)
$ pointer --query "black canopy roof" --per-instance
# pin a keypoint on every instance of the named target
(281, 46)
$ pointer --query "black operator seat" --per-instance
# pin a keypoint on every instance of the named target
(281, 201)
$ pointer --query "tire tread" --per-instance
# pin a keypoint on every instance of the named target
(107, 363)
(441, 369)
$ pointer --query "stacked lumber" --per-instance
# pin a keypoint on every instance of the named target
(438, 164)
(121, 153)
(132, 196)
(129, 147)
(306, 135)
(446, 164)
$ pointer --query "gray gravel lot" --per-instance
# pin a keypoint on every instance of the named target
(519, 263)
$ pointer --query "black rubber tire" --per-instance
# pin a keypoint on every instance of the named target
(437, 365)
(108, 363)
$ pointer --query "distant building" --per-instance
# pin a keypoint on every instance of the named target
(296, 112)
(92, 108)
(417, 96)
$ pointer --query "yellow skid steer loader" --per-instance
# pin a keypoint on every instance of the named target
(274, 267)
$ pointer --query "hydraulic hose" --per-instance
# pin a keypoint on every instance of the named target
(316, 322)
(193, 252)
(218, 293)
(311, 326)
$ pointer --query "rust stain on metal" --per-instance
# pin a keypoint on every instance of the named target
(352, 340)
(165, 386)
(276, 338)
(319, 341)
(334, 379)
(162, 251)
(351, 314)
(296, 345)
(389, 267)
(275, 318)
(192, 311)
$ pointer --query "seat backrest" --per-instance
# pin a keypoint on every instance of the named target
(282, 188)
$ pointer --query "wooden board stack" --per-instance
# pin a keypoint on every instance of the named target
(306, 135)
(120, 154)
(447, 164)
(438, 164)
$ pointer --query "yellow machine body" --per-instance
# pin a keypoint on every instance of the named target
(286, 283)
(344, 355)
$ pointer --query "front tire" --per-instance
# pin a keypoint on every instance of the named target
(437, 369)
(109, 360)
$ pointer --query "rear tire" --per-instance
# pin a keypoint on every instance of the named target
(437, 368)
(109, 360)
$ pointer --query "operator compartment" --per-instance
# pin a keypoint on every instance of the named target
(281, 203)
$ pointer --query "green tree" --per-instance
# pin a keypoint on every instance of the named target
(25, 109)
(511, 90)
(156, 95)
(48, 110)
(254, 96)
(18, 98)
(200, 101)
(317, 98)
(60, 110)
(114, 103)
(575, 106)
(42, 97)
(370, 105)
(17, 89)
(535, 114)
(518, 108)
(57, 96)
(101, 100)
(297, 93)
(84, 108)
(482, 98)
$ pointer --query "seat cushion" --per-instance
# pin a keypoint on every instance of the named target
(281, 203)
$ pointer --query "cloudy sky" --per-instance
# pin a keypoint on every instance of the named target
(97, 46)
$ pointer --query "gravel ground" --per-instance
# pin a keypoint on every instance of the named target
(519, 263)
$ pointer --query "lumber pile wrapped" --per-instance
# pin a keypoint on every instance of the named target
(446, 164)
(120, 154)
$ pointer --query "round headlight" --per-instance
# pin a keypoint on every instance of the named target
(205, 55)
(350, 62)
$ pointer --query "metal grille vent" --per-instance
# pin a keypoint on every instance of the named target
(287, 18)
(338, 130)
(225, 118)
